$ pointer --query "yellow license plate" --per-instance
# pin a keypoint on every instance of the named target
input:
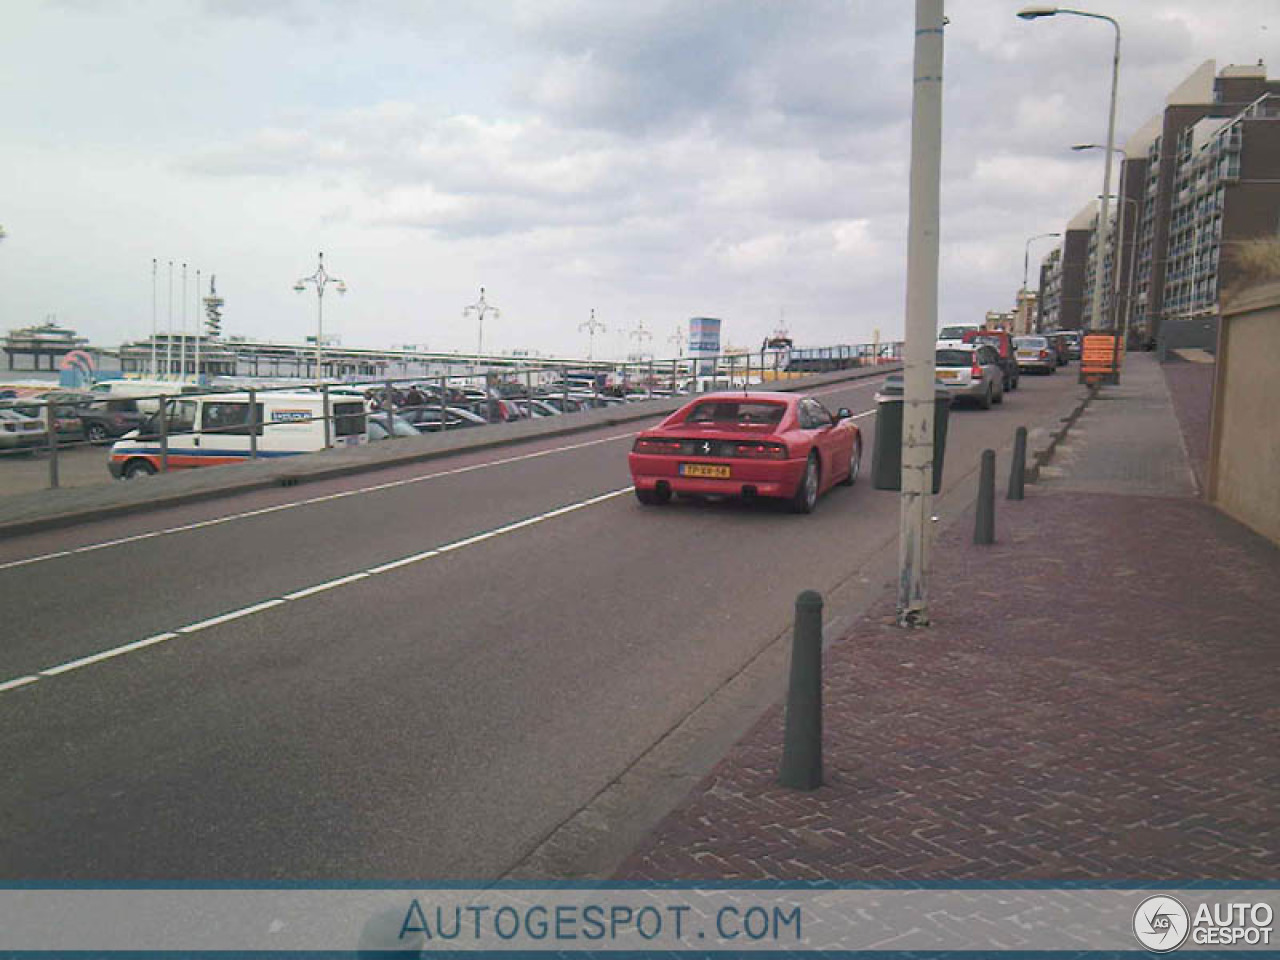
(948, 375)
(710, 470)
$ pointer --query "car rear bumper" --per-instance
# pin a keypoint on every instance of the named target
(759, 478)
(1037, 365)
(965, 388)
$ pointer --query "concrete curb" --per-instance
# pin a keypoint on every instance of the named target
(1042, 456)
(55, 509)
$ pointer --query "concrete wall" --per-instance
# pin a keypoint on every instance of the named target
(1244, 446)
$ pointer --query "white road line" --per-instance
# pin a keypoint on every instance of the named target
(106, 654)
(310, 591)
(262, 511)
(233, 615)
(342, 581)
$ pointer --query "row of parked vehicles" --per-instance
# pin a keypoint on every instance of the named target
(982, 365)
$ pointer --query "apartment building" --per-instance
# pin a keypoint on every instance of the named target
(1199, 178)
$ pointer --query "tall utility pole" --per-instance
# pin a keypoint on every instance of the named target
(479, 310)
(592, 326)
(182, 347)
(922, 317)
(168, 342)
(153, 318)
(320, 279)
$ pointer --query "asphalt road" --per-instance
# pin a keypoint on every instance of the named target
(261, 716)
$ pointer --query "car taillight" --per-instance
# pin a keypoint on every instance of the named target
(976, 371)
(760, 451)
(655, 445)
(1044, 354)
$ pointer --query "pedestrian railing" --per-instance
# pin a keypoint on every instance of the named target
(248, 424)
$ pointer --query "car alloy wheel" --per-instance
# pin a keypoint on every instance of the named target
(806, 497)
(855, 464)
(138, 468)
(96, 432)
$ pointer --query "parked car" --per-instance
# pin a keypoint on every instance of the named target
(1036, 353)
(377, 427)
(1003, 343)
(103, 420)
(65, 421)
(971, 372)
(747, 445)
(21, 432)
(427, 419)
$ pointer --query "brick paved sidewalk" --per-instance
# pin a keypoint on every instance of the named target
(1097, 700)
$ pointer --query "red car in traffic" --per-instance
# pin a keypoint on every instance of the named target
(747, 445)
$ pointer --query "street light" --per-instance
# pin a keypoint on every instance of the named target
(592, 326)
(1034, 12)
(320, 279)
(639, 334)
(1027, 255)
(479, 309)
(1117, 249)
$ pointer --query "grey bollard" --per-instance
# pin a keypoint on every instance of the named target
(1018, 469)
(51, 424)
(984, 528)
(802, 743)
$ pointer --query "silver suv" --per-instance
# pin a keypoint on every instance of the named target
(971, 372)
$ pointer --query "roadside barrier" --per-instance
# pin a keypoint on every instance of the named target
(802, 742)
(53, 421)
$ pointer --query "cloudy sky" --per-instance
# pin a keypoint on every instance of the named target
(653, 160)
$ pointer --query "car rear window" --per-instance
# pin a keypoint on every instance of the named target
(122, 406)
(954, 358)
(731, 413)
(348, 419)
(953, 333)
(1030, 342)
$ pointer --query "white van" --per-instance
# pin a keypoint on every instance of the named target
(208, 430)
(151, 389)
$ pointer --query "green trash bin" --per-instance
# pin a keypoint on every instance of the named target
(886, 462)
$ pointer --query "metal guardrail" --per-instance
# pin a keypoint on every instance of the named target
(61, 419)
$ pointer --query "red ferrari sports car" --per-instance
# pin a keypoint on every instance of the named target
(747, 445)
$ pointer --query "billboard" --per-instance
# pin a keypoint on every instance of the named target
(704, 341)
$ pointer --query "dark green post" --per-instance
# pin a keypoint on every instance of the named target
(984, 528)
(802, 744)
(1018, 470)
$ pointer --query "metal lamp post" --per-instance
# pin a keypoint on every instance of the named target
(1026, 265)
(320, 279)
(479, 310)
(1034, 12)
(592, 326)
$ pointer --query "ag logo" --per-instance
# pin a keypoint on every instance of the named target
(706, 446)
(1160, 923)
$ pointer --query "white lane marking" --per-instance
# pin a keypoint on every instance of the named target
(311, 591)
(340, 582)
(233, 615)
(262, 511)
(106, 654)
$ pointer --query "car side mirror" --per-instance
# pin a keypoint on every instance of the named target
(844, 413)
